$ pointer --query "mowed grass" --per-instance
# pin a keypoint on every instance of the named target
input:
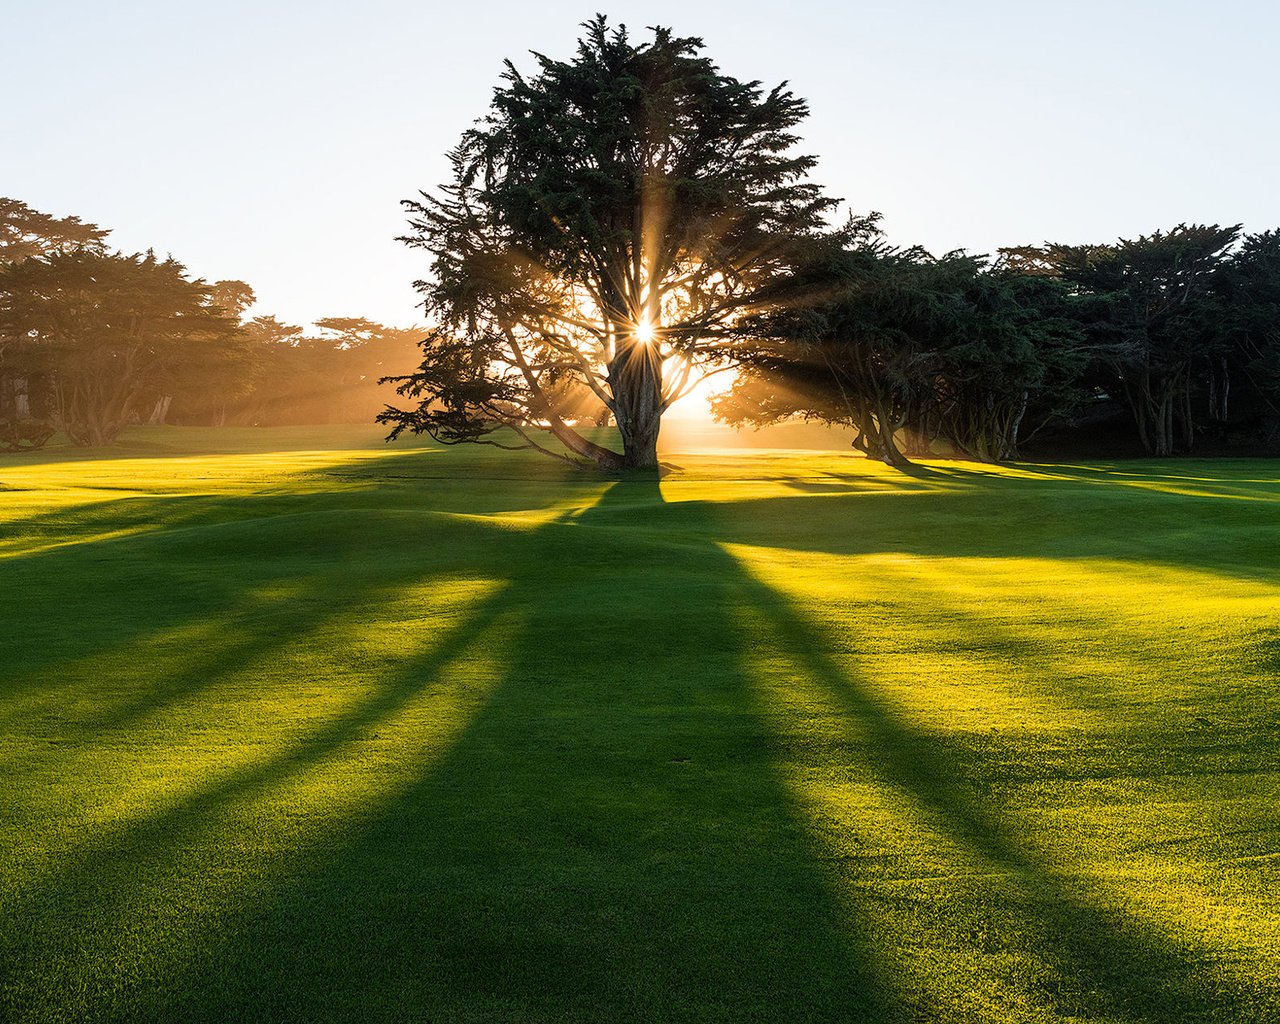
(298, 727)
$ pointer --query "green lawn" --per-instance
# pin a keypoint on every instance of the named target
(297, 727)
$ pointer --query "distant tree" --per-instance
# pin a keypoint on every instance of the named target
(1159, 319)
(606, 228)
(1009, 354)
(233, 297)
(854, 357)
(106, 331)
(908, 348)
(268, 347)
(365, 354)
(267, 331)
(25, 232)
(1248, 287)
(218, 372)
(331, 375)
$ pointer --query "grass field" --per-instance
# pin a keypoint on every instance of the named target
(297, 727)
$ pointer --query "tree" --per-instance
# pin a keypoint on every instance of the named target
(266, 368)
(1159, 316)
(107, 332)
(25, 232)
(216, 372)
(1009, 357)
(233, 297)
(908, 348)
(1248, 287)
(852, 357)
(284, 374)
(607, 227)
(361, 355)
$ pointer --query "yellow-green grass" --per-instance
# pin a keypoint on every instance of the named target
(295, 726)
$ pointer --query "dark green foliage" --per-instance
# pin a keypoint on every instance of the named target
(26, 413)
(1157, 313)
(1009, 356)
(908, 348)
(912, 349)
(1248, 289)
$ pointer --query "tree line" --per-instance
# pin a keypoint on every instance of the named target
(620, 224)
(93, 340)
(1173, 337)
(626, 220)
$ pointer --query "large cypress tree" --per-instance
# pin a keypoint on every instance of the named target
(608, 226)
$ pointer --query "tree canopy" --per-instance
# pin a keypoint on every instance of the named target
(1157, 307)
(608, 225)
(104, 331)
(92, 341)
(26, 232)
(908, 348)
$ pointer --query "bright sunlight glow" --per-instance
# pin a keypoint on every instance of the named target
(645, 331)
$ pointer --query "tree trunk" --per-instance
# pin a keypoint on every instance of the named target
(1219, 388)
(21, 401)
(636, 379)
(160, 411)
(916, 442)
(640, 445)
(892, 455)
(886, 427)
(579, 445)
(1015, 429)
(565, 434)
(1188, 420)
(1162, 436)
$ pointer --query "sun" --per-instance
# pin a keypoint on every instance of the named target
(645, 331)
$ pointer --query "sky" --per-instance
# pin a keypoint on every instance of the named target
(272, 141)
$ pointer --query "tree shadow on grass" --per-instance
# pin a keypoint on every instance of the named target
(605, 840)
(1101, 961)
(209, 581)
(1010, 517)
(609, 836)
(97, 614)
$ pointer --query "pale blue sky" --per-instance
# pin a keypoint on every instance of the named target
(270, 141)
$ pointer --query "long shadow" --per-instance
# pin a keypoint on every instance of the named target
(110, 874)
(1260, 486)
(119, 579)
(606, 840)
(610, 837)
(1104, 962)
(173, 603)
(1015, 518)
